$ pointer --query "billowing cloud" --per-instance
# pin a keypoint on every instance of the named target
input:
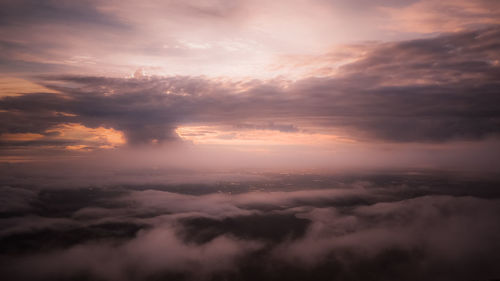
(428, 90)
(200, 140)
(395, 227)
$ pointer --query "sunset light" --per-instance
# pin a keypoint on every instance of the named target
(249, 140)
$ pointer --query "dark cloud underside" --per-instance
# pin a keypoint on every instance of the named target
(423, 90)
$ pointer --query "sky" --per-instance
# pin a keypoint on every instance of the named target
(330, 84)
(200, 140)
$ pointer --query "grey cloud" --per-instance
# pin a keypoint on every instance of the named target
(18, 13)
(427, 90)
(466, 57)
(269, 126)
(213, 9)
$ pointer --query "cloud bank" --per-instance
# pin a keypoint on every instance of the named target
(426, 90)
(380, 227)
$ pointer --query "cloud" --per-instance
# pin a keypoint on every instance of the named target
(427, 16)
(394, 227)
(436, 230)
(169, 37)
(427, 90)
(216, 38)
(27, 12)
(152, 254)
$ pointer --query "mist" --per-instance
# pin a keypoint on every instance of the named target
(206, 140)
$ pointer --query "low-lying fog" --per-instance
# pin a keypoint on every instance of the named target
(402, 225)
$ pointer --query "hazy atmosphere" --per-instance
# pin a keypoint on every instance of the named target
(249, 140)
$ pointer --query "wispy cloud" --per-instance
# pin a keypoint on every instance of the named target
(427, 16)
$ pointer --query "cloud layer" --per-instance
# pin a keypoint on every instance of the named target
(426, 90)
(380, 226)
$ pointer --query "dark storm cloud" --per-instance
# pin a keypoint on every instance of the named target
(434, 89)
